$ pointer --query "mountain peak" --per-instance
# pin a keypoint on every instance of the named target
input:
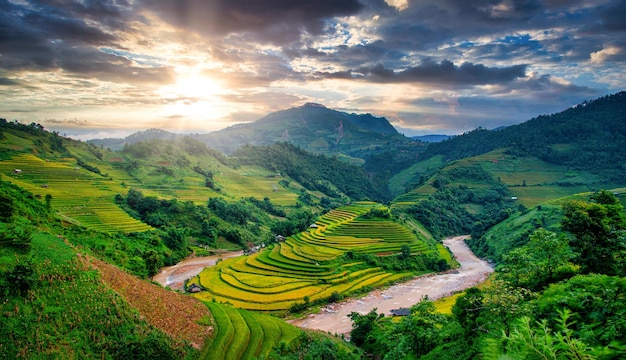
(312, 104)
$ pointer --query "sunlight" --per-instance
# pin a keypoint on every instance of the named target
(194, 97)
(192, 85)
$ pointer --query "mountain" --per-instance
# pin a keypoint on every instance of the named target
(150, 134)
(312, 127)
(431, 138)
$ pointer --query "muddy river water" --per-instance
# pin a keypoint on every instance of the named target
(473, 271)
(174, 276)
(334, 318)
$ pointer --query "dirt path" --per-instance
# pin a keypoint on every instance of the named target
(174, 276)
(473, 271)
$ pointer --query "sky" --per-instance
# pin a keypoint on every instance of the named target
(93, 69)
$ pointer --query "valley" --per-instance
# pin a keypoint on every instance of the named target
(330, 228)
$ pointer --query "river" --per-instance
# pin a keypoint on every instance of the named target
(174, 276)
(334, 318)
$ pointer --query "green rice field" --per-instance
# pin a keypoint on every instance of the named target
(79, 195)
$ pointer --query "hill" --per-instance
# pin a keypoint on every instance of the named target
(590, 136)
(580, 149)
(312, 127)
(146, 135)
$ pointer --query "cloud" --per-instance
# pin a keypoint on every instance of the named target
(429, 71)
(613, 16)
(8, 82)
(608, 53)
(276, 21)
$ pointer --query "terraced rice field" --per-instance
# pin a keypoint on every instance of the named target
(310, 264)
(77, 194)
(240, 334)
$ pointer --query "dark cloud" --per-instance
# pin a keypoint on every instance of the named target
(613, 16)
(429, 71)
(8, 82)
(88, 62)
(276, 21)
(65, 35)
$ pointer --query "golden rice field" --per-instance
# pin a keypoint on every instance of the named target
(308, 264)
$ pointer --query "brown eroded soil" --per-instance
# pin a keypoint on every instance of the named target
(473, 271)
(173, 313)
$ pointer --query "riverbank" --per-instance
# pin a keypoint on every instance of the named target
(174, 276)
(473, 271)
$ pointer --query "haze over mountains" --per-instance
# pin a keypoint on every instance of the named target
(311, 126)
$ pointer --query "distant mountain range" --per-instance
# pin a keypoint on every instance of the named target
(431, 138)
(313, 127)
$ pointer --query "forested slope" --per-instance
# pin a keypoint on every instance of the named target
(591, 135)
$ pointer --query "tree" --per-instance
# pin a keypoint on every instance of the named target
(153, 262)
(21, 278)
(535, 264)
(503, 305)
(421, 330)
(467, 310)
(598, 233)
(362, 326)
(176, 238)
(549, 251)
(48, 200)
(405, 251)
(6, 207)
(19, 234)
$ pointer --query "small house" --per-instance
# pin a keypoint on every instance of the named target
(17, 171)
(313, 226)
(400, 312)
(194, 288)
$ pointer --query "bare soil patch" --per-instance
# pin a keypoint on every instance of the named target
(173, 313)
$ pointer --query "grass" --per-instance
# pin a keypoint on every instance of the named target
(70, 312)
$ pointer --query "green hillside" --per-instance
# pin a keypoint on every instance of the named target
(312, 127)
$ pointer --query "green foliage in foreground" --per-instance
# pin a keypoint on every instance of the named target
(579, 317)
(582, 316)
(54, 307)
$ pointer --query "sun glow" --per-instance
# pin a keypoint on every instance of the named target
(192, 85)
(194, 96)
